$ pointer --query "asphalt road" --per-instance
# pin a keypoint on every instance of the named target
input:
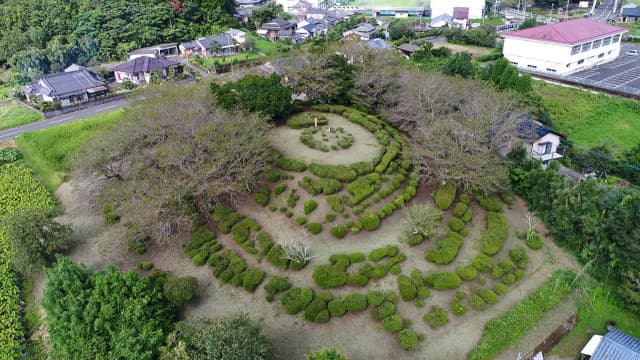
(62, 119)
(604, 11)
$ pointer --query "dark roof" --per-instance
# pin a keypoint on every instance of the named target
(70, 82)
(365, 28)
(461, 13)
(408, 47)
(630, 11)
(379, 44)
(248, 2)
(152, 49)
(276, 24)
(617, 345)
(144, 64)
(221, 40)
(531, 131)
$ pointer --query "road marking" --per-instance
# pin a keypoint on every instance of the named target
(59, 120)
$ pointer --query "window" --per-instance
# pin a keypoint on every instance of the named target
(532, 66)
(606, 41)
(580, 61)
(575, 50)
(601, 56)
(545, 148)
(586, 47)
(569, 64)
(514, 63)
(615, 39)
(597, 44)
(551, 70)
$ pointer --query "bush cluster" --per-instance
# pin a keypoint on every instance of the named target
(443, 280)
(241, 234)
(458, 307)
(490, 203)
(535, 242)
(109, 213)
(339, 231)
(329, 276)
(519, 256)
(447, 249)
(276, 256)
(355, 302)
(488, 296)
(436, 317)
(262, 196)
(392, 324)
(317, 311)
(370, 221)
(314, 228)
(296, 299)
(137, 238)
(460, 209)
(273, 175)
(362, 167)
(290, 164)
(202, 243)
(310, 206)
(9, 154)
(363, 187)
(408, 339)
(408, 290)
(276, 285)
(317, 186)
(225, 217)
(392, 151)
(306, 119)
(280, 188)
(496, 234)
(467, 272)
(476, 302)
(180, 290)
(335, 203)
(380, 253)
(337, 307)
(445, 195)
(482, 263)
(337, 172)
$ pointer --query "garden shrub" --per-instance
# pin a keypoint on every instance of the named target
(392, 297)
(301, 220)
(535, 242)
(314, 309)
(392, 324)
(467, 216)
(506, 264)
(337, 172)
(252, 278)
(137, 238)
(340, 261)
(490, 203)
(423, 293)
(379, 271)
(296, 300)
(276, 285)
(460, 295)
(335, 203)
(276, 256)
(458, 308)
(488, 296)
(306, 119)
(497, 272)
(314, 228)
(482, 263)
(476, 302)
(447, 249)
(467, 272)
(416, 278)
(310, 206)
(519, 256)
(330, 217)
(274, 175)
(496, 233)
(500, 288)
(465, 199)
(375, 297)
(415, 239)
(241, 231)
(519, 274)
(460, 209)
(370, 221)
(262, 196)
(226, 217)
(145, 265)
(329, 276)
(180, 290)
(356, 257)
(482, 280)
(362, 167)
(200, 258)
(337, 308)
(436, 317)
(380, 253)
(319, 186)
(385, 310)
(280, 188)
(509, 279)
(392, 151)
(264, 241)
(363, 187)
(456, 224)
(443, 280)
(445, 195)
(408, 290)
(355, 302)
(292, 200)
(407, 339)
(290, 164)
(339, 231)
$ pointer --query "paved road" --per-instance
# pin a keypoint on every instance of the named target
(64, 118)
(604, 11)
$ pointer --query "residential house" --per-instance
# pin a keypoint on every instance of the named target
(364, 31)
(420, 26)
(315, 13)
(309, 28)
(276, 29)
(250, 3)
(408, 49)
(630, 14)
(75, 85)
(238, 35)
(461, 17)
(299, 10)
(442, 20)
(243, 14)
(139, 70)
(541, 142)
(615, 345)
(379, 44)
(155, 51)
(218, 45)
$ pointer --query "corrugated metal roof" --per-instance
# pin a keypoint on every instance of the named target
(617, 345)
(568, 32)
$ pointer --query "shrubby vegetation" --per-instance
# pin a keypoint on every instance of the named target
(253, 93)
(496, 233)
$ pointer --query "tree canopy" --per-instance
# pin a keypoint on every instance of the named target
(264, 95)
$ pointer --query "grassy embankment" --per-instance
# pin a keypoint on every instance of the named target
(13, 115)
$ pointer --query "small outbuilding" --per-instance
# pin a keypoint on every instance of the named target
(408, 49)
(615, 345)
(630, 14)
(541, 142)
(155, 51)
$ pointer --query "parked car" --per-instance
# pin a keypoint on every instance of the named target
(632, 53)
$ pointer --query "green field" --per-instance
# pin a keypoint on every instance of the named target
(592, 119)
(46, 151)
(12, 115)
(222, 60)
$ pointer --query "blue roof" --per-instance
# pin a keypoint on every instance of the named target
(631, 11)
(528, 130)
(617, 345)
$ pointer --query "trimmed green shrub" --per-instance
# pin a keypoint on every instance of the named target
(482, 263)
(379, 271)
(496, 233)
(488, 296)
(408, 290)
(309, 206)
(375, 297)
(380, 253)
(180, 290)
(456, 224)
(465, 199)
(145, 265)
(467, 216)
(423, 293)
(200, 258)
(337, 172)
(9, 154)
(392, 297)
(519, 256)
(262, 196)
(276, 285)
(276, 256)
(319, 186)
(445, 195)
(314, 228)
(407, 339)
(458, 308)
(356, 257)
(385, 310)
(330, 217)
(436, 317)
(280, 188)
(460, 209)
(506, 264)
(306, 119)
(358, 280)
(252, 278)
(301, 220)
(241, 231)
(290, 164)
(443, 280)
(226, 217)
(370, 221)
(264, 241)
(335, 203)
(274, 175)
(447, 249)
(355, 302)
(296, 300)
(509, 279)
(329, 276)
(415, 239)
(535, 242)
(363, 187)
(476, 302)
(416, 278)
(337, 308)
(467, 272)
(460, 295)
(497, 272)
(362, 167)
(314, 309)
(500, 288)
(339, 231)
(392, 324)
(519, 274)
(490, 203)
(392, 151)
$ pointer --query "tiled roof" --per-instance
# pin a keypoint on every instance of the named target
(65, 83)
(408, 47)
(617, 345)
(144, 64)
(568, 32)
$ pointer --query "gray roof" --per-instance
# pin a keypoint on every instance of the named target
(75, 67)
(365, 28)
(233, 32)
(631, 11)
(152, 49)
(408, 47)
(71, 82)
(379, 44)
(276, 24)
(617, 345)
(442, 17)
(220, 40)
(144, 64)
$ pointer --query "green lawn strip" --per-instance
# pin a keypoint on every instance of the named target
(592, 119)
(507, 329)
(46, 151)
(595, 309)
(15, 115)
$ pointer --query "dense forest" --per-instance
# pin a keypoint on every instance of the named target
(43, 36)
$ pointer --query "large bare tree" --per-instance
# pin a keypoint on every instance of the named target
(174, 147)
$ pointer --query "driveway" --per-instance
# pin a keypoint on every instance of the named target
(64, 118)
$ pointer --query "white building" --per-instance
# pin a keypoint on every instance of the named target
(563, 48)
(541, 142)
(476, 7)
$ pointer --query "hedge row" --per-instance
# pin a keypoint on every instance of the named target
(225, 217)
(362, 188)
(337, 172)
(447, 249)
(321, 307)
(306, 119)
(290, 164)
(276, 285)
(506, 330)
(320, 186)
(445, 195)
(262, 196)
(436, 317)
(392, 151)
(335, 203)
(203, 243)
(496, 234)
(229, 267)
(443, 280)
(489, 202)
(11, 331)
(335, 274)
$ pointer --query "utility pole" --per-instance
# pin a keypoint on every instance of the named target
(566, 13)
(551, 12)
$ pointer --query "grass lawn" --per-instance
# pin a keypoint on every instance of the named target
(46, 151)
(594, 311)
(489, 20)
(592, 119)
(222, 60)
(267, 47)
(15, 115)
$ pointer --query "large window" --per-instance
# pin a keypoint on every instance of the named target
(597, 44)
(606, 41)
(575, 50)
(616, 39)
(586, 46)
